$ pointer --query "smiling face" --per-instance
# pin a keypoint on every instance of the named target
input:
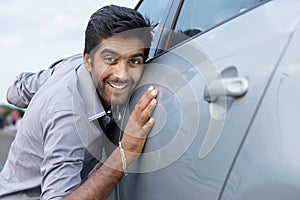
(116, 67)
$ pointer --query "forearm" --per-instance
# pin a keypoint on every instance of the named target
(25, 86)
(102, 182)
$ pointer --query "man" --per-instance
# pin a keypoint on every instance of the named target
(54, 152)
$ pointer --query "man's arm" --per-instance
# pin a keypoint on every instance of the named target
(102, 182)
(27, 84)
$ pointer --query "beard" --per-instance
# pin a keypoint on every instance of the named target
(109, 98)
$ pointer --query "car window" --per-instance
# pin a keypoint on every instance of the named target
(197, 16)
(155, 11)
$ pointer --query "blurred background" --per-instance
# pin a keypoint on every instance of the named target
(33, 35)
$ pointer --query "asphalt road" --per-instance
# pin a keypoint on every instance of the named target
(6, 139)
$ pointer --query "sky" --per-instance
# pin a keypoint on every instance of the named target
(36, 33)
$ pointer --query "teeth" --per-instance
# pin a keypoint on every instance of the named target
(119, 87)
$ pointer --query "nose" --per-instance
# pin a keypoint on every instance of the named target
(121, 69)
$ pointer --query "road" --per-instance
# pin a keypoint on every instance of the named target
(6, 138)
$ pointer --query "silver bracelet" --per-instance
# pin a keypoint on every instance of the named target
(124, 165)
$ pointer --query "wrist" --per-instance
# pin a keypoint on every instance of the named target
(123, 159)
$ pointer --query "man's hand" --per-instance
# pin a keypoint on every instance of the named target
(139, 125)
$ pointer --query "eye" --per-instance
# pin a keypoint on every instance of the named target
(109, 60)
(136, 61)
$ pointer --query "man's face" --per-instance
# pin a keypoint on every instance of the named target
(116, 67)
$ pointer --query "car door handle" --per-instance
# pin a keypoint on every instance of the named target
(233, 87)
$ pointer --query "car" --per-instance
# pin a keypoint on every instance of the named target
(227, 73)
(226, 127)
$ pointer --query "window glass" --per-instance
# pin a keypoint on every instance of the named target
(200, 15)
(153, 10)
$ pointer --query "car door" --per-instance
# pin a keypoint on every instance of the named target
(210, 86)
(267, 166)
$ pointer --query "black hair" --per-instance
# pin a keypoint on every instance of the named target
(113, 20)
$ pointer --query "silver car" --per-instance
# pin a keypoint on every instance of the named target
(227, 126)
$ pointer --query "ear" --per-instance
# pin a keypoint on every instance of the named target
(87, 61)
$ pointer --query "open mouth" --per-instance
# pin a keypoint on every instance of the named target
(118, 86)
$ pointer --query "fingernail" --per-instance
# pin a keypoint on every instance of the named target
(151, 120)
(153, 102)
(154, 92)
(151, 87)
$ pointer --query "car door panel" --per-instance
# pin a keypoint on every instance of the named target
(177, 169)
(268, 165)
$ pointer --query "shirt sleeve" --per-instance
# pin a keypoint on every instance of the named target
(63, 155)
(27, 84)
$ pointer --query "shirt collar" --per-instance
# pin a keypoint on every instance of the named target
(93, 106)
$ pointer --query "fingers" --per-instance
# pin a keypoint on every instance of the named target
(146, 113)
(146, 98)
(140, 123)
(145, 107)
(133, 144)
(147, 127)
(138, 127)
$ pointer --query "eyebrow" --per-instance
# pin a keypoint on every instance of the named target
(118, 55)
(109, 51)
(139, 55)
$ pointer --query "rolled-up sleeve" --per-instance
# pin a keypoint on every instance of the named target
(25, 86)
(63, 155)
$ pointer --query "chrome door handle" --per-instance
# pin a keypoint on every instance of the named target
(233, 87)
